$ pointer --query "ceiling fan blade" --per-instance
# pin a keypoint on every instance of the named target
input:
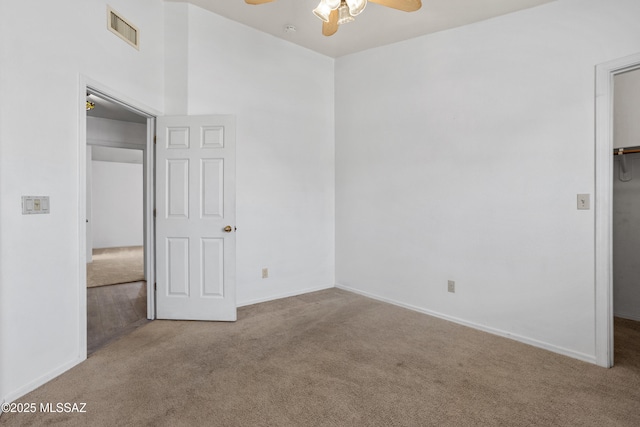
(257, 1)
(330, 28)
(405, 5)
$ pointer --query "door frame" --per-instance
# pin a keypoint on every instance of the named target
(605, 74)
(87, 84)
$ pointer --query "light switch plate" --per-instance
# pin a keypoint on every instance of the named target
(35, 205)
(584, 202)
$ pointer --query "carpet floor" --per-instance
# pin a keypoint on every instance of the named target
(111, 266)
(333, 358)
(113, 312)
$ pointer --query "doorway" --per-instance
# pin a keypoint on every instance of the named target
(626, 217)
(118, 232)
(604, 202)
(198, 268)
(116, 283)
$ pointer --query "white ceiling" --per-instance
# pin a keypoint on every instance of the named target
(376, 26)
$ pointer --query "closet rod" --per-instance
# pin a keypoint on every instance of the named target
(616, 152)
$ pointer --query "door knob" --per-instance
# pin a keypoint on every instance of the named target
(227, 229)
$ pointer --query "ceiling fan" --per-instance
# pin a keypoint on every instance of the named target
(337, 12)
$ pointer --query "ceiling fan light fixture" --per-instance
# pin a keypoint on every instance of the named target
(322, 11)
(337, 12)
(344, 17)
(356, 6)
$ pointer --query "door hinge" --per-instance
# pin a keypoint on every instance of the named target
(155, 286)
(154, 139)
(154, 213)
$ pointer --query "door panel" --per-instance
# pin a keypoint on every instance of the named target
(212, 180)
(195, 196)
(212, 276)
(177, 257)
(177, 188)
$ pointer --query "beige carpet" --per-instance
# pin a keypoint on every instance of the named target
(333, 358)
(111, 266)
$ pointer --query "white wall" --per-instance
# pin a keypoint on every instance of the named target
(117, 207)
(282, 96)
(626, 119)
(41, 66)
(626, 240)
(109, 135)
(459, 156)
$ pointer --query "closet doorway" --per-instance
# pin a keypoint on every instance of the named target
(626, 218)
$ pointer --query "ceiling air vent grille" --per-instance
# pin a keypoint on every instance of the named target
(123, 28)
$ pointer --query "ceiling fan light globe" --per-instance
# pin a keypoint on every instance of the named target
(344, 17)
(322, 11)
(356, 6)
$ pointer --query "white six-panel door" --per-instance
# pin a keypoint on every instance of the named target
(195, 218)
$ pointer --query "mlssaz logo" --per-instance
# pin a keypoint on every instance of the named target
(63, 407)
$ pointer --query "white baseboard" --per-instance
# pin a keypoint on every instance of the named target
(17, 394)
(533, 342)
(627, 316)
(284, 295)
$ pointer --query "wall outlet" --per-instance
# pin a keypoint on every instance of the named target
(265, 273)
(451, 286)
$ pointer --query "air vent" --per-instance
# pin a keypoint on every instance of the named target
(122, 28)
